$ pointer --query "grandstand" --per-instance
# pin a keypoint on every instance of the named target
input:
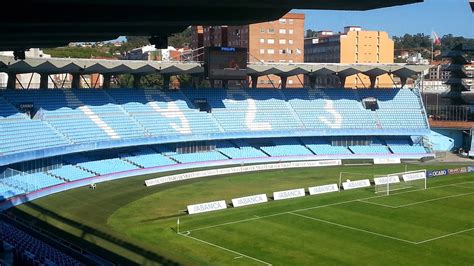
(28, 250)
(99, 135)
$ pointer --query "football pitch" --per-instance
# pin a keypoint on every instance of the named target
(410, 227)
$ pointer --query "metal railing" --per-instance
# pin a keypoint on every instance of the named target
(449, 112)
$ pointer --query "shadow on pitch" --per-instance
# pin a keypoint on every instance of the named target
(87, 231)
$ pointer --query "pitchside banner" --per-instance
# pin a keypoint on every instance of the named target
(250, 200)
(386, 180)
(456, 171)
(470, 169)
(356, 184)
(289, 194)
(323, 189)
(414, 176)
(387, 161)
(207, 207)
(436, 173)
(241, 169)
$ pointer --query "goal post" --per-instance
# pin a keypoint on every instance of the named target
(384, 184)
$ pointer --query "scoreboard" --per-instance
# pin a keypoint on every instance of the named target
(226, 63)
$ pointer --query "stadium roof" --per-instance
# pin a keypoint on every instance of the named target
(51, 23)
(102, 66)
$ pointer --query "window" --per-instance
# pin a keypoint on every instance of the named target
(290, 61)
(283, 51)
(282, 31)
(270, 51)
(262, 30)
(290, 81)
(262, 51)
(282, 61)
(282, 41)
(282, 21)
(262, 40)
(290, 31)
(271, 31)
(290, 41)
(298, 51)
(290, 21)
(271, 41)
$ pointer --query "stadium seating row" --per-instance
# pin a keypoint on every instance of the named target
(63, 117)
(81, 166)
(28, 250)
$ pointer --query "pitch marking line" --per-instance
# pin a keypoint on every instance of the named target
(317, 207)
(463, 186)
(352, 228)
(415, 203)
(378, 204)
(439, 237)
(382, 235)
(240, 255)
(431, 200)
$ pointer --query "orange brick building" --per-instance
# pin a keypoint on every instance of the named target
(354, 45)
(279, 41)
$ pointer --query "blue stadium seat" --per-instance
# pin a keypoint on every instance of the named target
(66, 117)
(147, 157)
(377, 149)
(71, 173)
(323, 147)
(107, 166)
(28, 250)
(199, 157)
(286, 147)
(243, 151)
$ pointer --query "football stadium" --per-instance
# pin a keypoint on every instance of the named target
(229, 173)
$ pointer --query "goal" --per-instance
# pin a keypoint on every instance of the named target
(384, 184)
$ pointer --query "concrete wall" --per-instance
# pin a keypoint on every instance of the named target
(446, 139)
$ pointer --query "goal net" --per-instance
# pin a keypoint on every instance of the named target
(384, 184)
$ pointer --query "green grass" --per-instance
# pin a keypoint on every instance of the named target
(132, 224)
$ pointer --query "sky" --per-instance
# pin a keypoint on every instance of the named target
(440, 16)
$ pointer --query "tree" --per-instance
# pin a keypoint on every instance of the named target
(310, 33)
(422, 43)
(181, 39)
(77, 52)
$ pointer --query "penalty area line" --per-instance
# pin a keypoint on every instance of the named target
(240, 255)
(431, 200)
(352, 228)
(365, 200)
(444, 236)
(417, 202)
(377, 204)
